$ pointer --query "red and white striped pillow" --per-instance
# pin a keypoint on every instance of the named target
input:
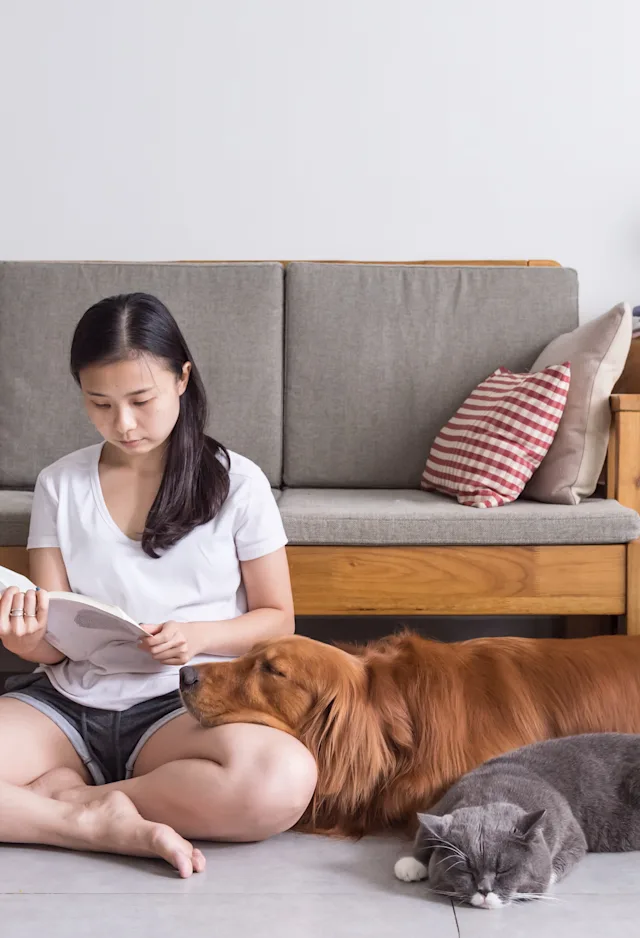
(488, 451)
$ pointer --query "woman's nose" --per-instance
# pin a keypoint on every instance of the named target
(124, 421)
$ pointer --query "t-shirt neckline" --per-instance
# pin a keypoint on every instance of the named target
(100, 502)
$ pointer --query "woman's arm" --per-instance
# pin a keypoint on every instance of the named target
(46, 570)
(270, 604)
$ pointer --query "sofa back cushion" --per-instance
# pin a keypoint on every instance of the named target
(230, 314)
(378, 357)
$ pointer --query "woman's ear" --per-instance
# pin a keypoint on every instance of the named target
(184, 380)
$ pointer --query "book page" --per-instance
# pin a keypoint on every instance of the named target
(69, 609)
(11, 578)
(65, 611)
(87, 601)
(79, 631)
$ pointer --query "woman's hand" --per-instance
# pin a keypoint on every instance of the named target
(21, 634)
(171, 642)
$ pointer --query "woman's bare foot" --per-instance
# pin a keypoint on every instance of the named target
(114, 825)
(67, 785)
(109, 822)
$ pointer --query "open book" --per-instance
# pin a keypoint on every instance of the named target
(69, 609)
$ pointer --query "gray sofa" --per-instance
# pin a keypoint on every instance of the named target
(335, 379)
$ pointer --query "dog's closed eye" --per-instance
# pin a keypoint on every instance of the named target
(269, 668)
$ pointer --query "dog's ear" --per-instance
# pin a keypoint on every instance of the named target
(344, 734)
(385, 696)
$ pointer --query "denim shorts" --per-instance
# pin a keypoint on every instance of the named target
(107, 741)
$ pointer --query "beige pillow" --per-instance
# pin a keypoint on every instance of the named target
(597, 352)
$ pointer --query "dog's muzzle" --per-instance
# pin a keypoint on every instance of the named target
(188, 678)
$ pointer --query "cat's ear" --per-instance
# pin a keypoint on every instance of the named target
(529, 825)
(436, 825)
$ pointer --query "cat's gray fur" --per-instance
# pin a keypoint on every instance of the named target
(518, 823)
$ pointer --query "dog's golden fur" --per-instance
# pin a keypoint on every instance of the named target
(393, 723)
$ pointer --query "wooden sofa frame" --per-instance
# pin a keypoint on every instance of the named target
(567, 580)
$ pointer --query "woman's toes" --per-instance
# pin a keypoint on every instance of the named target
(177, 851)
(199, 860)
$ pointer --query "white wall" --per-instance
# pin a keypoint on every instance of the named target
(369, 129)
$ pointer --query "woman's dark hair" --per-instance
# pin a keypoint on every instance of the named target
(195, 482)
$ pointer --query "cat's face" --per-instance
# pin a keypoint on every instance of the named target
(486, 856)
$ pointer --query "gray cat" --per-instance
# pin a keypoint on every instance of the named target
(514, 826)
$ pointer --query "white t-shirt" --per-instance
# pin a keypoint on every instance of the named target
(198, 579)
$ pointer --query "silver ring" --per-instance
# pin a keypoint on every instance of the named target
(16, 612)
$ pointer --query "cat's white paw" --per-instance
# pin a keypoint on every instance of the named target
(410, 870)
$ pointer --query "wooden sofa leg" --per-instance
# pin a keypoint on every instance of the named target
(633, 588)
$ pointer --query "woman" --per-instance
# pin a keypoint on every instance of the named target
(186, 537)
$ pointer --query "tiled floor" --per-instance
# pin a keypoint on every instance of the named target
(294, 885)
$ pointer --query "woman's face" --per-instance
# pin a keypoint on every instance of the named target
(134, 404)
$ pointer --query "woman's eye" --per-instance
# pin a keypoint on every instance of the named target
(135, 403)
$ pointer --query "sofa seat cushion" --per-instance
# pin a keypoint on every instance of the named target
(15, 511)
(380, 517)
(405, 516)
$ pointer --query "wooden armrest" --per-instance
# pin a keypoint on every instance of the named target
(623, 473)
(625, 402)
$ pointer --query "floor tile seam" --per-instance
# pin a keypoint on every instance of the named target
(194, 895)
(62, 892)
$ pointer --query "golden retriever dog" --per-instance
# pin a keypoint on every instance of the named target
(394, 723)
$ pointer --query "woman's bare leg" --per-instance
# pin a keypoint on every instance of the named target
(238, 782)
(110, 825)
(30, 745)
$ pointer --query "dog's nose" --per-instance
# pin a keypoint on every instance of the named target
(188, 677)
